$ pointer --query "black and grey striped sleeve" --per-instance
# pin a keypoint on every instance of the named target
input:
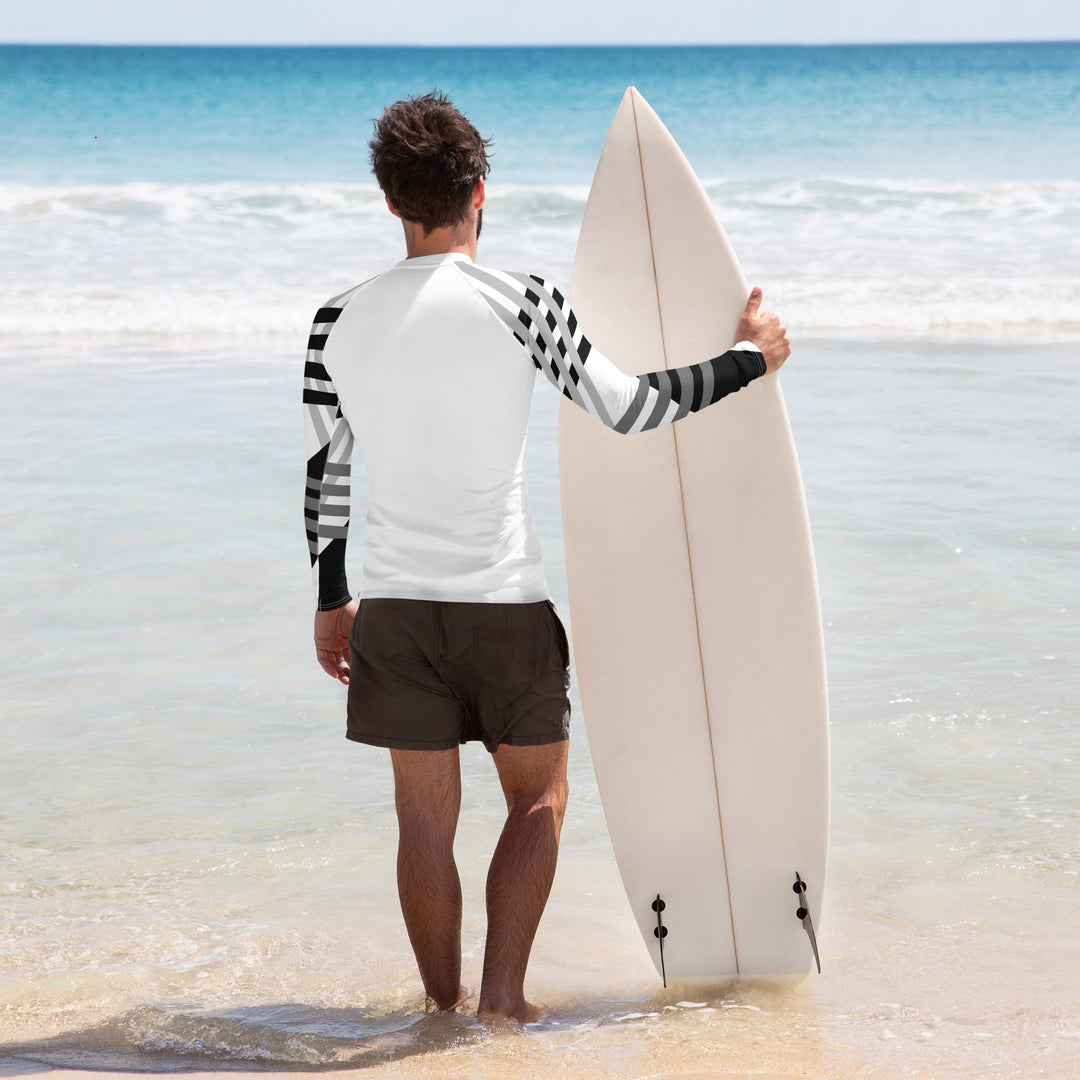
(540, 317)
(329, 447)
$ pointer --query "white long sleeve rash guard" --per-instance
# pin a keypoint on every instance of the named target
(428, 369)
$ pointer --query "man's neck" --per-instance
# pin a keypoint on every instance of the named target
(442, 241)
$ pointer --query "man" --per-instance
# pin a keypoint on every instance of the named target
(429, 368)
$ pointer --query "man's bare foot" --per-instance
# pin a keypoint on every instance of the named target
(432, 1006)
(526, 1014)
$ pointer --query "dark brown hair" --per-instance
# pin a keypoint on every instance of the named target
(427, 158)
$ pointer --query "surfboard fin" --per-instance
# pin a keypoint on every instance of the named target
(802, 913)
(660, 933)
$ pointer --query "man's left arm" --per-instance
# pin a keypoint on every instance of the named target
(538, 315)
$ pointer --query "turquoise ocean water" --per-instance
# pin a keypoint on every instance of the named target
(196, 870)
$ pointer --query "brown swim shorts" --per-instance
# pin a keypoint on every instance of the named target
(431, 674)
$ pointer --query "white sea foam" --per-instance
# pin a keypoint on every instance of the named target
(839, 256)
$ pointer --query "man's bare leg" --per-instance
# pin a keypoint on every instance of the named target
(522, 869)
(427, 790)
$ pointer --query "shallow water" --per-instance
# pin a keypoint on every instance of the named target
(198, 870)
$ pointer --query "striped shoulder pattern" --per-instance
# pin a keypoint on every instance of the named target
(541, 319)
(329, 446)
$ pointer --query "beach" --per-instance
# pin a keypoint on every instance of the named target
(197, 869)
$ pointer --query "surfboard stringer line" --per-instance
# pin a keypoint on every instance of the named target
(690, 564)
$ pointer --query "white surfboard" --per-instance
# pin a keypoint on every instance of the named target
(693, 594)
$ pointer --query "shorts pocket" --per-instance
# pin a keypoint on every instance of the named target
(505, 659)
(560, 636)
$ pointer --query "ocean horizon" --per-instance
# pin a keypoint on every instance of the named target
(913, 43)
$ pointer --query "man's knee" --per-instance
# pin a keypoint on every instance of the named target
(552, 794)
(534, 778)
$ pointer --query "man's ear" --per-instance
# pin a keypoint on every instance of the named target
(390, 207)
(479, 194)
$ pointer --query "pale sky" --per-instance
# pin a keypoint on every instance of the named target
(547, 22)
